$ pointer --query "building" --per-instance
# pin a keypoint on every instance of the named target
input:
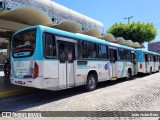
(18, 14)
(154, 46)
(44, 12)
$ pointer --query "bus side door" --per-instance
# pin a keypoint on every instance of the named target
(155, 61)
(146, 62)
(66, 65)
(113, 59)
(135, 67)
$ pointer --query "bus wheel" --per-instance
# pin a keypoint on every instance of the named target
(91, 82)
(150, 71)
(128, 75)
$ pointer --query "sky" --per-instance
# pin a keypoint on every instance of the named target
(111, 11)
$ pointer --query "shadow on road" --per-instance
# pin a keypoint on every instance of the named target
(41, 97)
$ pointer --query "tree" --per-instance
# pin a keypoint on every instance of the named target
(136, 31)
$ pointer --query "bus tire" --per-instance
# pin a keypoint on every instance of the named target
(91, 82)
(150, 71)
(129, 74)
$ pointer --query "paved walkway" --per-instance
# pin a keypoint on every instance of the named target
(5, 84)
(139, 94)
(8, 89)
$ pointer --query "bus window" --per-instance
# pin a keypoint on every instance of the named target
(151, 57)
(84, 49)
(127, 55)
(146, 57)
(157, 58)
(113, 55)
(71, 52)
(62, 56)
(121, 54)
(103, 52)
(50, 47)
(154, 58)
(92, 50)
(24, 43)
(133, 57)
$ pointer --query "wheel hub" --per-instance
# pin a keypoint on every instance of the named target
(91, 83)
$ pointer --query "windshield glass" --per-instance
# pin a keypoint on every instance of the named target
(23, 44)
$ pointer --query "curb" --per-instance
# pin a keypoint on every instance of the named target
(14, 92)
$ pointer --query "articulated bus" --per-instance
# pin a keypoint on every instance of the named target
(52, 59)
(148, 61)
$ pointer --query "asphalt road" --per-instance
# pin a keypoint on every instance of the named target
(139, 94)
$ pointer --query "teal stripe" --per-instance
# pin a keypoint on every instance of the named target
(123, 70)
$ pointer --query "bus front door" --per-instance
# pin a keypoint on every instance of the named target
(134, 63)
(66, 64)
(154, 59)
(113, 59)
(146, 63)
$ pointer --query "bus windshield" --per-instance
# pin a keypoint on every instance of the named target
(23, 43)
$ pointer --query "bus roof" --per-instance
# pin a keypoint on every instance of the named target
(75, 35)
(147, 51)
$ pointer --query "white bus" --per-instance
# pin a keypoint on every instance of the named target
(148, 61)
(52, 59)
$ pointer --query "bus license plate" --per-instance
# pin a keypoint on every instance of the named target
(20, 82)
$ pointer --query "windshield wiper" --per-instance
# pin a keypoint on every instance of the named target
(27, 43)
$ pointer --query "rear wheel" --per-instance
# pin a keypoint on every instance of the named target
(91, 82)
(128, 74)
(150, 71)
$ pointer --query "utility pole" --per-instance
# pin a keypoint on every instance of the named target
(129, 18)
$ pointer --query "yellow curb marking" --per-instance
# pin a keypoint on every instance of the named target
(113, 78)
(14, 92)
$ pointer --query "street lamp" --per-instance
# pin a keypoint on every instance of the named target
(129, 18)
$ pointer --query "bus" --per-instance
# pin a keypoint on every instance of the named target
(52, 59)
(148, 62)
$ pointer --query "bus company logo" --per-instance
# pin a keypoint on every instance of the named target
(106, 66)
(6, 114)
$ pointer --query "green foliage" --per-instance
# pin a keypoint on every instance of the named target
(136, 31)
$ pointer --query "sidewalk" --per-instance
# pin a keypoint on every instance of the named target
(8, 89)
(5, 83)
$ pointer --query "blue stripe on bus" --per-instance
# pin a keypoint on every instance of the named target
(82, 67)
(20, 54)
(123, 69)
